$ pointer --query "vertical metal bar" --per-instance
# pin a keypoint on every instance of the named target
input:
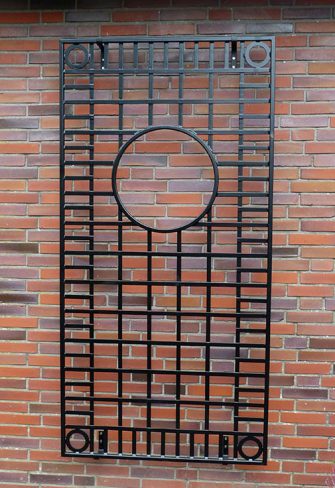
(208, 325)
(178, 337)
(211, 93)
(91, 247)
(163, 443)
(120, 105)
(166, 55)
(136, 55)
(269, 250)
(191, 444)
(120, 266)
(239, 250)
(133, 442)
(151, 84)
(62, 244)
(181, 82)
(149, 338)
(226, 54)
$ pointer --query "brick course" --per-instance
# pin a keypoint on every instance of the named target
(302, 399)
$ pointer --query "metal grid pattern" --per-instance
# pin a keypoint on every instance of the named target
(200, 386)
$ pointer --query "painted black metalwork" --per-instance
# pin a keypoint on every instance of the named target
(98, 336)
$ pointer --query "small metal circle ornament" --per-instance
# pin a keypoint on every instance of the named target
(257, 64)
(76, 64)
(207, 185)
(74, 432)
(247, 439)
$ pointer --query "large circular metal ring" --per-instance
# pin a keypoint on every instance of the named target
(85, 439)
(80, 64)
(196, 138)
(249, 438)
(257, 64)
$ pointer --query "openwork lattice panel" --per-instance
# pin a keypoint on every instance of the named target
(166, 223)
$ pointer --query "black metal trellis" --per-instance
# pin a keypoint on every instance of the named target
(101, 416)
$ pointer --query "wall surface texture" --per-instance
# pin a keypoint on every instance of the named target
(302, 416)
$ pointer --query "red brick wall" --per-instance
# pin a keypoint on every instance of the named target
(302, 393)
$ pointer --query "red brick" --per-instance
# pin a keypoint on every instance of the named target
(19, 18)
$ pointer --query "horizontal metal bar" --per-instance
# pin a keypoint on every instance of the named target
(245, 389)
(213, 224)
(162, 71)
(73, 147)
(166, 430)
(89, 192)
(203, 284)
(167, 39)
(243, 315)
(151, 342)
(79, 87)
(166, 254)
(159, 371)
(77, 326)
(162, 101)
(249, 419)
(242, 194)
(246, 164)
(89, 162)
(152, 457)
(78, 178)
(78, 412)
(200, 131)
(164, 401)
(78, 238)
(77, 207)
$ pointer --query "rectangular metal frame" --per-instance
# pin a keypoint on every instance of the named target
(78, 412)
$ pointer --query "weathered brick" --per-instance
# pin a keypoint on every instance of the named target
(90, 16)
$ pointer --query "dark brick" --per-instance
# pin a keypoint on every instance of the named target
(144, 472)
(171, 389)
(84, 481)
(306, 13)
(330, 304)
(43, 110)
(296, 342)
(139, 377)
(44, 135)
(12, 335)
(305, 393)
(12, 285)
(53, 30)
(318, 343)
(51, 478)
(285, 251)
(19, 123)
(19, 442)
(268, 28)
(12, 309)
(42, 408)
(13, 477)
(301, 454)
(284, 303)
(282, 380)
(18, 298)
(221, 28)
(21, 247)
(89, 16)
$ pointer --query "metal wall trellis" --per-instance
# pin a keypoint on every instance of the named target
(127, 390)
